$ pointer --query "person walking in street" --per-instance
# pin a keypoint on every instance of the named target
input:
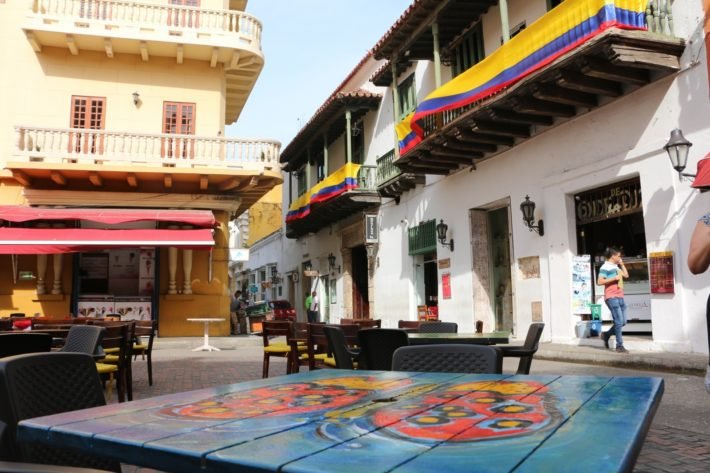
(307, 305)
(313, 308)
(611, 276)
(698, 262)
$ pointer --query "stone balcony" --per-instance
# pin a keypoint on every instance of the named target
(112, 161)
(226, 38)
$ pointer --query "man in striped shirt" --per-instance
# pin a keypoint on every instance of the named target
(611, 276)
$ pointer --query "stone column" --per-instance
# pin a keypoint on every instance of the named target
(187, 271)
(58, 267)
(172, 270)
(347, 283)
(41, 274)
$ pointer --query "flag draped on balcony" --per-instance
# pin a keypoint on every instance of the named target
(340, 181)
(564, 28)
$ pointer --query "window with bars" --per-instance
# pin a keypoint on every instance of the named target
(178, 119)
(87, 113)
(422, 238)
(302, 185)
(407, 97)
(469, 51)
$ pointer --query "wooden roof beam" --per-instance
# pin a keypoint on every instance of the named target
(565, 96)
(95, 179)
(542, 107)
(204, 182)
(468, 136)
(229, 184)
(595, 67)
(592, 85)
(22, 178)
(454, 156)
(504, 115)
(132, 180)
(58, 178)
(168, 181)
(505, 129)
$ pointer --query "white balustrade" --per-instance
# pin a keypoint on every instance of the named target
(107, 147)
(124, 13)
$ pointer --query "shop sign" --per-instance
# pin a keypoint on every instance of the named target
(311, 273)
(371, 235)
(613, 201)
(445, 263)
(661, 272)
(446, 285)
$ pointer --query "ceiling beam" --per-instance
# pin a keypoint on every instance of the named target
(229, 184)
(58, 178)
(592, 85)
(505, 129)
(504, 115)
(132, 180)
(108, 47)
(603, 70)
(144, 51)
(33, 42)
(22, 178)
(542, 107)
(468, 136)
(204, 182)
(213, 57)
(168, 181)
(565, 96)
(71, 44)
(95, 179)
(180, 53)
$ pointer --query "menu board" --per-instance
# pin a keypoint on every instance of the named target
(446, 285)
(661, 272)
(581, 284)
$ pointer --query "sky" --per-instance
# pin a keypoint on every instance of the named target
(309, 46)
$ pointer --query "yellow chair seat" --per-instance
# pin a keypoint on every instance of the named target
(329, 360)
(112, 350)
(317, 356)
(277, 349)
(111, 359)
(140, 346)
(106, 368)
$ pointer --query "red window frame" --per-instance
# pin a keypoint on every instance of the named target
(88, 113)
(178, 119)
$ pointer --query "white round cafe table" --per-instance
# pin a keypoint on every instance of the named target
(206, 344)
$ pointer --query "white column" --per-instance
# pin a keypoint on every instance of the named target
(187, 271)
(172, 270)
(41, 274)
(58, 266)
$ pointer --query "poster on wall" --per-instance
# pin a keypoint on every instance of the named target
(581, 284)
(446, 285)
(661, 272)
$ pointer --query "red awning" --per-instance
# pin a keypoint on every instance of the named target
(702, 178)
(70, 240)
(200, 218)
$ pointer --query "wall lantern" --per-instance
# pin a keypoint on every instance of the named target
(331, 263)
(441, 231)
(308, 266)
(136, 98)
(528, 209)
(294, 277)
(677, 149)
(275, 278)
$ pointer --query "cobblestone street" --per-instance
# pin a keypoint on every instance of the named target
(673, 444)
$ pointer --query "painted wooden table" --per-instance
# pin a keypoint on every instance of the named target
(373, 421)
(206, 334)
(485, 338)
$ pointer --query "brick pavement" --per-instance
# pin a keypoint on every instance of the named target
(176, 368)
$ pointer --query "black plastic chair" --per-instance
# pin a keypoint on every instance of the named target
(24, 342)
(527, 350)
(448, 358)
(83, 339)
(438, 327)
(338, 346)
(16, 467)
(40, 384)
(377, 346)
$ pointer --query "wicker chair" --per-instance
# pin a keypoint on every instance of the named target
(40, 384)
(438, 327)
(448, 358)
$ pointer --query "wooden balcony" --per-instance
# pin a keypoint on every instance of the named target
(602, 69)
(228, 38)
(92, 160)
(328, 212)
(391, 181)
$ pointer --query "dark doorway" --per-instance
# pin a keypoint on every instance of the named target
(361, 305)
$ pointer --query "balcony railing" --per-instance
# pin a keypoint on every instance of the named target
(659, 20)
(74, 145)
(386, 170)
(366, 178)
(109, 14)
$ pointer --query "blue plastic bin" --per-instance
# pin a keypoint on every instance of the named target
(595, 328)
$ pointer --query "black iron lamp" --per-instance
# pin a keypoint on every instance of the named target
(331, 262)
(678, 148)
(308, 266)
(136, 98)
(528, 209)
(275, 278)
(294, 277)
(441, 231)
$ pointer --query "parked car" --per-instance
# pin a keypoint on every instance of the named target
(282, 310)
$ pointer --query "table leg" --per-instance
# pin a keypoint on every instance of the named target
(206, 341)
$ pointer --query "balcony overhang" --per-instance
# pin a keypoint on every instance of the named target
(400, 184)
(338, 208)
(227, 39)
(244, 186)
(600, 71)
(328, 121)
(411, 36)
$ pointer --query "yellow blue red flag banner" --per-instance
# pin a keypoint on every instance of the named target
(342, 180)
(567, 26)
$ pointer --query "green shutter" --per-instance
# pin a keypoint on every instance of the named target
(422, 238)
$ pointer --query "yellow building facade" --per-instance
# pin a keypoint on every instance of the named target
(121, 108)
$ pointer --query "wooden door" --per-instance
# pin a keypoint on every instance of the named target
(361, 304)
(178, 119)
(87, 113)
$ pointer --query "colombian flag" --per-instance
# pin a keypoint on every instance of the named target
(335, 184)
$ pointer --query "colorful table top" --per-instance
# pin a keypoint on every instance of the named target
(485, 338)
(374, 421)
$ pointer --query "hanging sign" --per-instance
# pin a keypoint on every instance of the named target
(623, 198)
(661, 272)
(371, 234)
(581, 284)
